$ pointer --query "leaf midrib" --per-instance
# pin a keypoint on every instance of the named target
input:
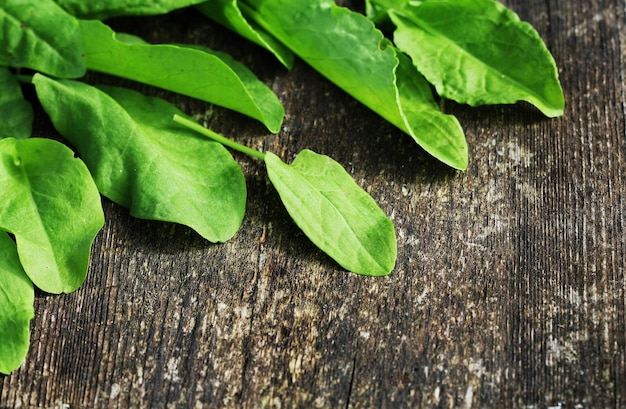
(314, 188)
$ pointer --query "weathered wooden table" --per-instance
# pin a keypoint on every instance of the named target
(509, 289)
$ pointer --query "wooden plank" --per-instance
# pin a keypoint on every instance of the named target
(509, 289)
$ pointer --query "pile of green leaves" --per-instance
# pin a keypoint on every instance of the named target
(144, 154)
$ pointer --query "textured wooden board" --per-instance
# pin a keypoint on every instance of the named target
(509, 289)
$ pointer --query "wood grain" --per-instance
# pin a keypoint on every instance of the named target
(509, 289)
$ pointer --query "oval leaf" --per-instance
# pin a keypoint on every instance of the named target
(40, 35)
(17, 297)
(15, 111)
(185, 70)
(335, 213)
(52, 207)
(141, 160)
(102, 9)
(479, 52)
(346, 48)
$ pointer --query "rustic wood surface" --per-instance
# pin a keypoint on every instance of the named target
(509, 289)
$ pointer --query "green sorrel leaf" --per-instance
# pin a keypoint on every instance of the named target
(141, 160)
(40, 35)
(345, 47)
(52, 207)
(185, 70)
(335, 213)
(227, 13)
(17, 297)
(478, 52)
(15, 111)
(102, 9)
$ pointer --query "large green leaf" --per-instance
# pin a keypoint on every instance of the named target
(478, 52)
(185, 70)
(17, 296)
(335, 213)
(52, 207)
(15, 111)
(141, 160)
(101, 9)
(40, 35)
(346, 48)
(227, 13)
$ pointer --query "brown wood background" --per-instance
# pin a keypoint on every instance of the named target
(509, 289)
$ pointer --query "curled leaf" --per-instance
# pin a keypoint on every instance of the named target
(141, 160)
(227, 13)
(17, 297)
(52, 207)
(185, 70)
(478, 52)
(335, 213)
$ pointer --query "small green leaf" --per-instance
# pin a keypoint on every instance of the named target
(16, 112)
(479, 52)
(17, 297)
(52, 207)
(102, 9)
(185, 70)
(40, 35)
(227, 13)
(335, 213)
(142, 160)
(345, 47)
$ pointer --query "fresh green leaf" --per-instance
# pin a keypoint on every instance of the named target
(17, 297)
(439, 134)
(141, 160)
(52, 207)
(227, 13)
(346, 48)
(184, 70)
(16, 112)
(478, 52)
(335, 213)
(102, 9)
(252, 83)
(40, 35)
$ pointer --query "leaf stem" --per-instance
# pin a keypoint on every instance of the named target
(218, 138)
